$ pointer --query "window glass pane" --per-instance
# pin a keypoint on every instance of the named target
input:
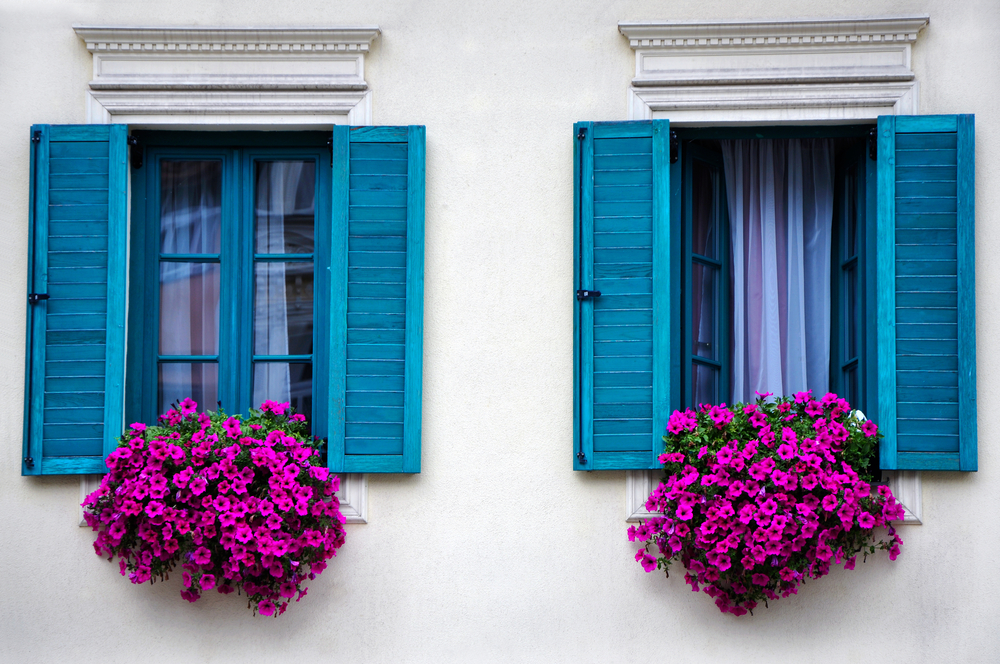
(190, 207)
(284, 382)
(189, 308)
(704, 384)
(283, 308)
(704, 216)
(180, 380)
(704, 303)
(284, 205)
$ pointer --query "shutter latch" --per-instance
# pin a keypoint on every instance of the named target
(587, 294)
(135, 152)
(35, 298)
(36, 136)
(29, 462)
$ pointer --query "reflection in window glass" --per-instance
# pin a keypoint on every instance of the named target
(189, 308)
(283, 308)
(284, 382)
(284, 207)
(190, 207)
(180, 380)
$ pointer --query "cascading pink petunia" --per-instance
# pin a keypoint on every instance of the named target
(750, 522)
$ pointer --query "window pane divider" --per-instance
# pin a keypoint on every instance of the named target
(282, 358)
(698, 359)
(190, 258)
(283, 257)
(187, 358)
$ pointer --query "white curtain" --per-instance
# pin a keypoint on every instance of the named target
(780, 195)
(277, 186)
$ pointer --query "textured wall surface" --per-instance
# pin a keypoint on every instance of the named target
(497, 551)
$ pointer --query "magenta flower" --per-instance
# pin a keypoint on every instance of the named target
(266, 608)
(869, 428)
(866, 520)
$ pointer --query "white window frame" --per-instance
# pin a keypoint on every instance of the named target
(808, 71)
(202, 78)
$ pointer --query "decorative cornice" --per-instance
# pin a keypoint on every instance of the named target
(721, 34)
(247, 76)
(773, 53)
(233, 41)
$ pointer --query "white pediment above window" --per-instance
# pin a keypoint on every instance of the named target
(836, 70)
(229, 76)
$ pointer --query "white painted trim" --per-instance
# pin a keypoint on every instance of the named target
(226, 77)
(353, 497)
(773, 72)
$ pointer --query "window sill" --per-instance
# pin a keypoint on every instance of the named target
(353, 495)
(905, 485)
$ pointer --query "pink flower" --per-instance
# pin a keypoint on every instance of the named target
(870, 428)
(830, 502)
(154, 508)
(207, 581)
(684, 512)
(786, 451)
(266, 608)
(760, 579)
(866, 520)
(769, 506)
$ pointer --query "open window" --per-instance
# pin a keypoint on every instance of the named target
(677, 304)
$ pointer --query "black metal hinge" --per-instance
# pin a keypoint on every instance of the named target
(873, 144)
(675, 143)
(582, 134)
(29, 462)
(35, 298)
(587, 294)
(36, 136)
(135, 152)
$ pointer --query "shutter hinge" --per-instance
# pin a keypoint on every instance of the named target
(587, 294)
(135, 152)
(29, 462)
(581, 457)
(35, 298)
(873, 144)
(329, 144)
(582, 134)
(36, 136)
(675, 144)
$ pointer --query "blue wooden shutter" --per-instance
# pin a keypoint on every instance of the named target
(622, 387)
(926, 292)
(377, 259)
(75, 363)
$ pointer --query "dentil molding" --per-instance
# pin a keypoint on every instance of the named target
(146, 76)
(836, 70)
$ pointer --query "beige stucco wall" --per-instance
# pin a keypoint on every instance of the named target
(497, 551)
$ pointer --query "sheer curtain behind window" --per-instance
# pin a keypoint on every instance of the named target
(780, 194)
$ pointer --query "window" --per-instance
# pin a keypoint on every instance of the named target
(773, 247)
(233, 236)
(231, 263)
(639, 356)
